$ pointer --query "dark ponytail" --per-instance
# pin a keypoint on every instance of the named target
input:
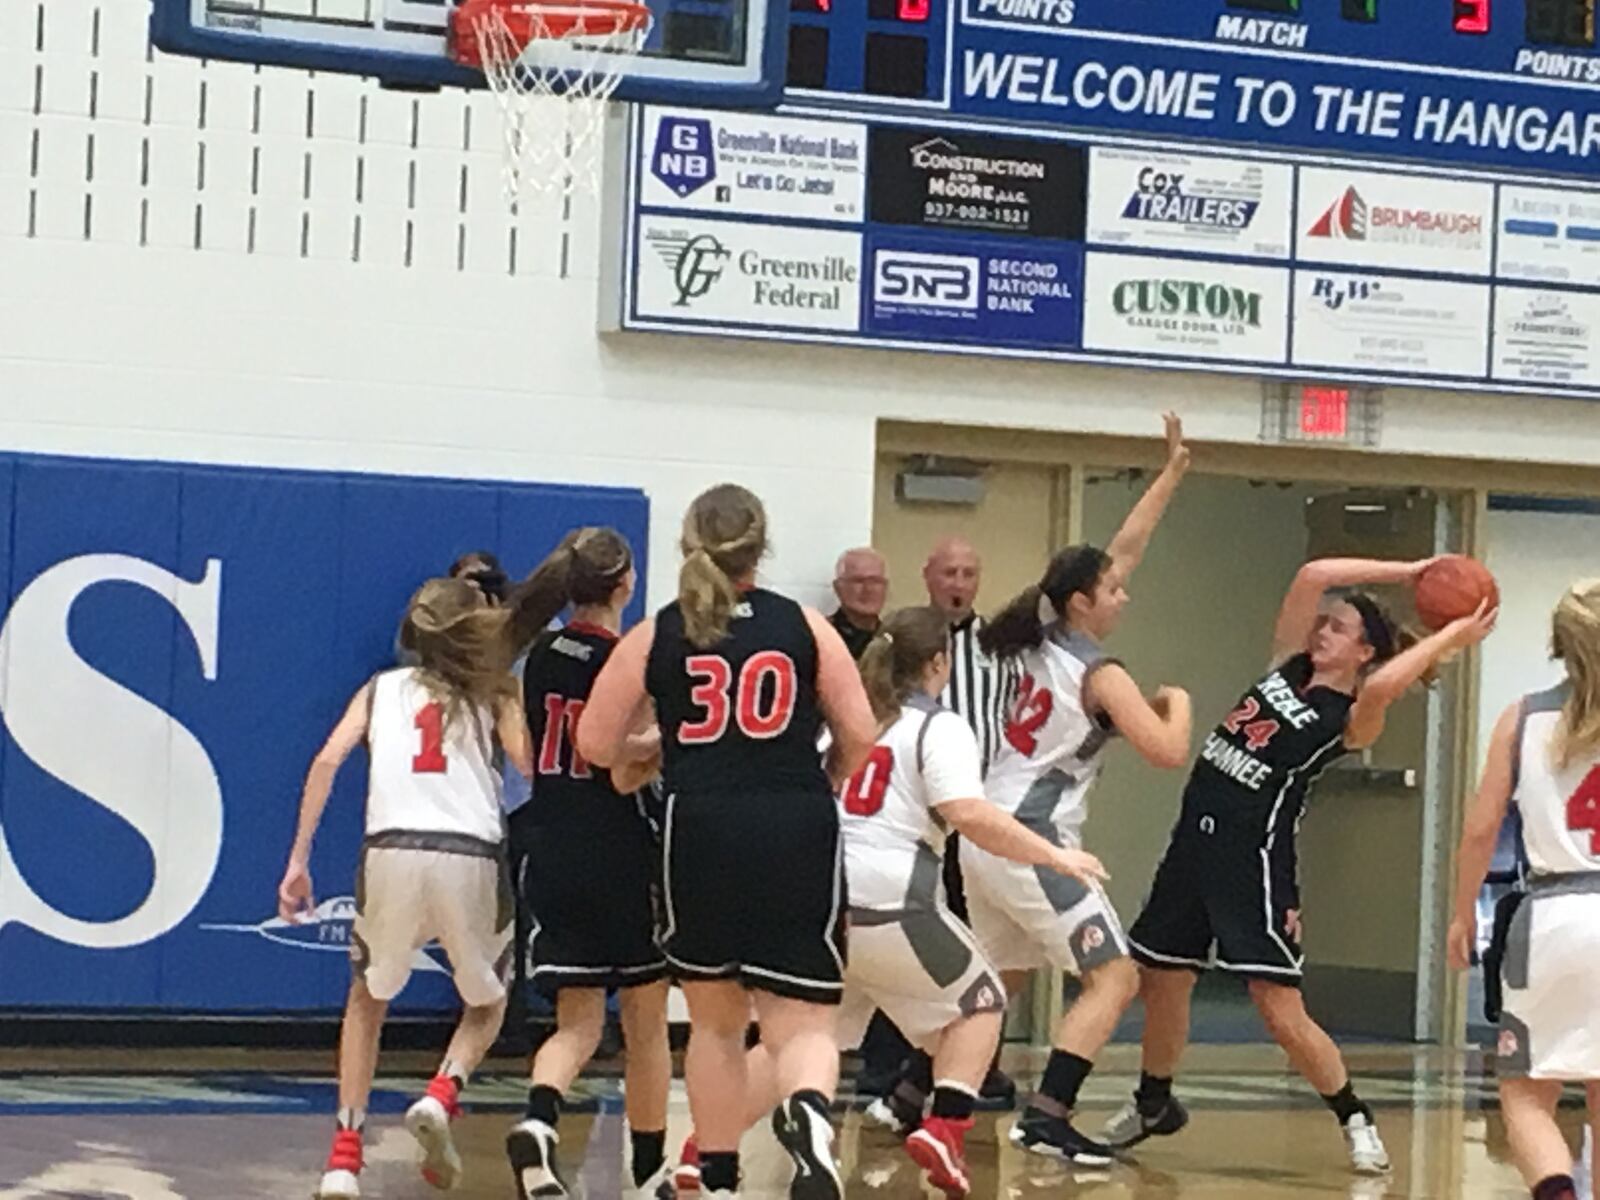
(586, 568)
(1384, 634)
(894, 661)
(1021, 624)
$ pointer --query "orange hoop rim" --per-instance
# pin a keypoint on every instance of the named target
(529, 21)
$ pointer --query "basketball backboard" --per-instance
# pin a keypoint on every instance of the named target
(715, 53)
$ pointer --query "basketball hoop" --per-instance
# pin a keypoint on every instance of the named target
(552, 65)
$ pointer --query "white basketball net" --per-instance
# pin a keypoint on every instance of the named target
(553, 91)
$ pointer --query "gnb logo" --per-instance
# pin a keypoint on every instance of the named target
(684, 158)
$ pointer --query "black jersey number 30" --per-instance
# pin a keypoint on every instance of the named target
(761, 700)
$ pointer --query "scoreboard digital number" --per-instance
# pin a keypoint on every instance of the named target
(1498, 84)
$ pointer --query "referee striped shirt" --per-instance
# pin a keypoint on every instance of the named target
(980, 688)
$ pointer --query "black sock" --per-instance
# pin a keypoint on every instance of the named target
(1063, 1076)
(814, 1100)
(952, 1102)
(1152, 1094)
(918, 1072)
(1555, 1187)
(719, 1169)
(544, 1104)
(649, 1152)
(1346, 1104)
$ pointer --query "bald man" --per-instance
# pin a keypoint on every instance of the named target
(861, 581)
(980, 688)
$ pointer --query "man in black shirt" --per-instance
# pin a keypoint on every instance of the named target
(861, 581)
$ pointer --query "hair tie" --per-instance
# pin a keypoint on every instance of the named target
(888, 638)
(1047, 612)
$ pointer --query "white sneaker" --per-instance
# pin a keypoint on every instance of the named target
(339, 1185)
(531, 1147)
(428, 1120)
(1367, 1154)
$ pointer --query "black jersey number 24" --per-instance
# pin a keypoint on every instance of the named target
(760, 701)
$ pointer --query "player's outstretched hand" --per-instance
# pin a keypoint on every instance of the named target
(1460, 944)
(296, 900)
(1177, 452)
(1469, 631)
(1079, 864)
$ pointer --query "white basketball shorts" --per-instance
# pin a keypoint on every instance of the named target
(420, 888)
(922, 967)
(1550, 1012)
(1027, 917)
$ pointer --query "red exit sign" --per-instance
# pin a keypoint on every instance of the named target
(1324, 412)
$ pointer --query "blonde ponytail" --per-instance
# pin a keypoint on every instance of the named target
(724, 538)
(1575, 640)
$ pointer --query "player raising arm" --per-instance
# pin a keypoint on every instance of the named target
(1229, 878)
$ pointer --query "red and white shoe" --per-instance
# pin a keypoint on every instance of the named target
(342, 1179)
(428, 1120)
(686, 1175)
(939, 1148)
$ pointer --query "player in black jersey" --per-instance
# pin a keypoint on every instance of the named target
(743, 681)
(590, 927)
(1229, 880)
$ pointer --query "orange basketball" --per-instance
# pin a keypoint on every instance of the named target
(1452, 588)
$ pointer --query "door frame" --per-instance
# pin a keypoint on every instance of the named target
(1462, 487)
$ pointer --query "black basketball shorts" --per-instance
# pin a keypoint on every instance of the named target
(754, 891)
(588, 900)
(1222, 898)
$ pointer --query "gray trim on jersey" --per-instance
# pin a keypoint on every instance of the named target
(1037, 808)
(930, 708)
(422, 839)
(1569, 883)
(922, 892)
(1036, 812)
(1518, 953)
(1552, 699)
(1094, 658)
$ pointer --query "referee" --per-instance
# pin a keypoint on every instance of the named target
(980, 691)
(980, 687)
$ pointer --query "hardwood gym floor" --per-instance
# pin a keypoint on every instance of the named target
(253, 1125)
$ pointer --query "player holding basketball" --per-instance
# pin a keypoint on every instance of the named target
(1071, 699)
(432, 860)
(1229, 878)
(591, 929)
(743, 680)
(1544, 756)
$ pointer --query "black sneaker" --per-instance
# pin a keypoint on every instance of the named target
(998, 1093)
(531, 1148)
(1130, 1126)
(1056, 1138)
(807, 1136)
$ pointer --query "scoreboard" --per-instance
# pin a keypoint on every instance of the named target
(1358, 192)
(1493, 84)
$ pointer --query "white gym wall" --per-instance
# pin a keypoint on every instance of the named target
(209, 262)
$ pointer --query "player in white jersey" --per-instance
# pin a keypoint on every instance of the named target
(909, 953)
(432, 862)
(1071, 699)
(1544, 757)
